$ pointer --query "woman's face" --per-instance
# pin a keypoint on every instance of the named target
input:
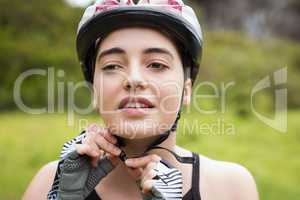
(138, 82)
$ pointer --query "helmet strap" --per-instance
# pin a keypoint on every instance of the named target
(166, 134)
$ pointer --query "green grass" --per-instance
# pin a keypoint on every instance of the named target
(28, 142)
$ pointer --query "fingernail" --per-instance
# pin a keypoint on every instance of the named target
(118, 151)
(128, 162)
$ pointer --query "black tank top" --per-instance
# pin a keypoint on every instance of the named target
(192, 194)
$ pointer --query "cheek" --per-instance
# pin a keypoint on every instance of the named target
(170, 96)
(106, 88)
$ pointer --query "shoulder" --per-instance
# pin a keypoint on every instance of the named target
(41, 183)
(226, 180)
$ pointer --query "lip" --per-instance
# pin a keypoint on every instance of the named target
(135, 100)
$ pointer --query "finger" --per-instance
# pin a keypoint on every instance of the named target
(95, 135)
(92, 151)
(142, 161)
(94, 160)
(149, 175)
(85, 149)
(89, 137)
(94, 128)
(147, 186)
(108, 136)
(150, 167)
(107, 146)
(90, 140)
(92, 144)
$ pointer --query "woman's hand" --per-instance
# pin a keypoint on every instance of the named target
(157, 179)
(82, 168)
(97, 143)
(142, 170)
(78, 178)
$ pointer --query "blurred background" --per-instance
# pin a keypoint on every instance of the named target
(245, 41)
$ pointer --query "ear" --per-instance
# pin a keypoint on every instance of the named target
(187, 95)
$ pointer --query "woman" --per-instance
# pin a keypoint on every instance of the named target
(141, 62)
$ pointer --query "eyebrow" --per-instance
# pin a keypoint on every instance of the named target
(117, 50)
(114, 50)
(158, 50)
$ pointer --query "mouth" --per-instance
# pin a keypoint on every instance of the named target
(135, 103)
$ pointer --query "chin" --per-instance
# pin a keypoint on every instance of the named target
(133, 130)
(136, 129)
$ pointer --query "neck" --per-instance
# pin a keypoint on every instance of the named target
(136, 147)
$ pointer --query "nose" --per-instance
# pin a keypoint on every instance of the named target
(134, 81)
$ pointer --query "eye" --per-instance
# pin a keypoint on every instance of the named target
(111, 67)
(158, 66)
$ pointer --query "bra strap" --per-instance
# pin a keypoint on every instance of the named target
(196, 177)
